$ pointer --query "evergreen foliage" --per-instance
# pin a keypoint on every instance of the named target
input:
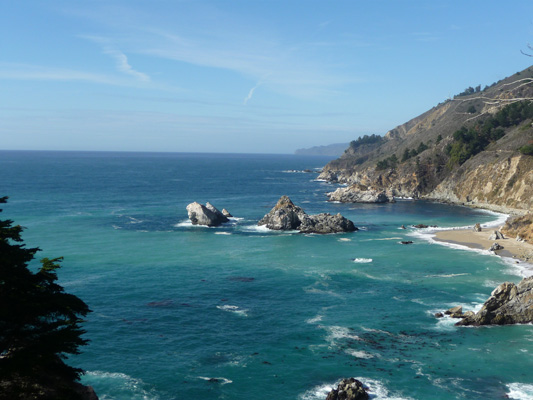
(389, 162)
(366, 139)
(527, 150)
(408, 153)
(470, 141)
(39, 322)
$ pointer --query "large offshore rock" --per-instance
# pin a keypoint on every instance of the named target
(326, 223)
(287, 216)
(508, 304)
(348, 389)
(284, 216)
(357, 193)
(207, 215)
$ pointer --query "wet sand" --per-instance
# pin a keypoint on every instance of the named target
(480, 240)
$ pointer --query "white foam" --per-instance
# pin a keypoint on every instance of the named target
(339, 332)
(372, 240)
(187, 224)
(375, 389)
(522, 268)
(314, 320)
(520, 391)
(360, 354)
(233, 309)
(222, 381)
(446, 275)
(345, 240)
(223, 233)
(263, 229)
(362, 260)
(120, 385)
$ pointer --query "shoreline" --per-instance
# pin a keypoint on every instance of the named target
(512, 249)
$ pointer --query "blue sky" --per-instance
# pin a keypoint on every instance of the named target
(241, 76)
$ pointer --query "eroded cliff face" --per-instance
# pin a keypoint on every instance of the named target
(503, 183)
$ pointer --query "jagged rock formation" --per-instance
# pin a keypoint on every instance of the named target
(287, 216)
(348, 389)
(226, 213)
(495, 247)
(477, 227)
(496, 235)
(520, 227)
(207, 215)
(508, 304)
(414, 159)
(358, 193)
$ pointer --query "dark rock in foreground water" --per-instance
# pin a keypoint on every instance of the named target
(287, 216)
(348, 389)
(508, 304)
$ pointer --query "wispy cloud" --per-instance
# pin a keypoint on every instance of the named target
(252, 90)
(121, 60)
(124, 66)
(38, 72)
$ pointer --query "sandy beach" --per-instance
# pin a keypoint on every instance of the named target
(480, 240)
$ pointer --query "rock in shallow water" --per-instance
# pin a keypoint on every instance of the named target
(207, 215)
(508, 304)
(357, 193)
(287, 216)
(348, 389)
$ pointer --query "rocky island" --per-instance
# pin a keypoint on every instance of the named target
(207, 215)
(287, 216)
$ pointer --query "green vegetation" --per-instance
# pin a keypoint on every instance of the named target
(470, 141)
(366, 139)
(470, 90)
(389, 162)
(527, 150)
(407, 153)
(39, 322)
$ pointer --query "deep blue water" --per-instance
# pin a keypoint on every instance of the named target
(239, 312)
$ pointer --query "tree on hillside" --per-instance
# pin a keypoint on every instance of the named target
(39, 323)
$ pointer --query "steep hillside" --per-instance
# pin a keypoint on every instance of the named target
(464, 150)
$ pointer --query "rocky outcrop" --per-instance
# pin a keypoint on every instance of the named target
(226, 213)
(495, 247)
(477, 227)
(358, 193)
(326, 223)
(348, 389)
(508, 304)
(287, 216)
(496, 235)
(284, 216)
(207, 215)
(520, 226)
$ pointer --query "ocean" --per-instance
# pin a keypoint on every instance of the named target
(241, 312)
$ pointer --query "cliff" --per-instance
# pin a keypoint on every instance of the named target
(475, 149)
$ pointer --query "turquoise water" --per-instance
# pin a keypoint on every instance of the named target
(240, 312)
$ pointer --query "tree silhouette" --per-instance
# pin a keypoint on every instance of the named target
(39, 322)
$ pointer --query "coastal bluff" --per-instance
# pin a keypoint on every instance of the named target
(473, 149)
(285, 215)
